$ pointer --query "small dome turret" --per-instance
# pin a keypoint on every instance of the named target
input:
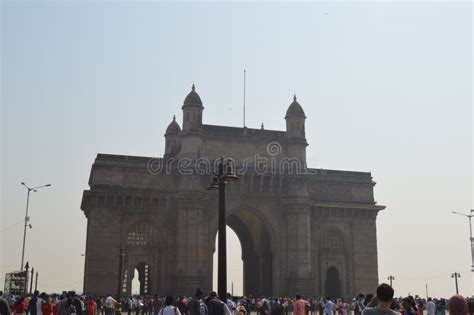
(295, 109)
(192, 99)
(173, 127)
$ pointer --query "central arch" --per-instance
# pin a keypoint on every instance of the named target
(257, 255)
(333, 283)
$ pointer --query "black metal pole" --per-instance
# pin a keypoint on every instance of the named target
(36, 281)
(456, 275)
(222, 258)
(24, 228)
(27, 268)
(31, 280)
(119, 285)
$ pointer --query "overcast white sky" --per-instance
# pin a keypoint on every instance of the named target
(387, 88)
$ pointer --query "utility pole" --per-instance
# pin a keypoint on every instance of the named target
(391, 278)
(471, 239)
(36, 281)
(25, 284)
(456, 275)
(27, 218)
(31, 281)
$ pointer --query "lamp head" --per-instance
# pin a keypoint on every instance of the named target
(214, 183)
(230, 170)
(47, 185)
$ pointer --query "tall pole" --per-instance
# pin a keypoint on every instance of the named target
(225, 172)
(31, 280)
(120, 271)
(391, 278)
(222, 256)
(25, 285)
(244, 96)
(471, 239)
(34, 189)
(36, 281)
(24, 229)
(456, 276)
(426, 291)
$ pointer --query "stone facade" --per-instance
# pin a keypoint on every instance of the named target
(302, 230)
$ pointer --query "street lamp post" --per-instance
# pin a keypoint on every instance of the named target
(469, 216)
(34, 189)
(25, 284)
(225, 173)
(119, 285)
(391, 278)
(456, 276)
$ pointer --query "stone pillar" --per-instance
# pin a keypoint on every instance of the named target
(192, 239)
(298, 249)
(364, 242)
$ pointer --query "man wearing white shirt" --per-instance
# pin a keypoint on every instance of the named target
(430, 307)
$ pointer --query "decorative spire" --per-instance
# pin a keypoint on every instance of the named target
(294, 97)
(263, 127)
(193, 87)
(174, 117)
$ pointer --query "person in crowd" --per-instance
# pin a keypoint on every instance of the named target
(47, 307)
(196, 306)
(32, 303)
(231, 304)
(4, 305)
(430, 307)
(299, 306)
(329, 307)
(109, 305)
(457, 305)
(91, 306)
(385, 298)
(39, 303)
(264, 309)
(169, 308)
(215, 306)
(19, 307)
(277, 308)
(441, 307)
(470, 306)
(157, 304)
(182, 305)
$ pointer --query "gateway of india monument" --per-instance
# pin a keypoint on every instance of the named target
(302, 230)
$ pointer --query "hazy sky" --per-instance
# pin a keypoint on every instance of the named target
(386, 88)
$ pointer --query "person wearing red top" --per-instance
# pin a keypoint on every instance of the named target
(91, 306)
(19, 307)
(47, 307)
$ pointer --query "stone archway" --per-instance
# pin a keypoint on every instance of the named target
(141, 255)
(257, 256)
(144, 278)
(333, 283)
(334, 263)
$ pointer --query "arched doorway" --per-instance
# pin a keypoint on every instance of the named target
(140, 281)
(333, 283)
(257, 257)
(234, 264)
(141, 261)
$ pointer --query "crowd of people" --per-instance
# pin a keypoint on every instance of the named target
(383, 303)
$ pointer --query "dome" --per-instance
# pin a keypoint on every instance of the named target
(192, 99)
(295, 110)
(173, 127)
